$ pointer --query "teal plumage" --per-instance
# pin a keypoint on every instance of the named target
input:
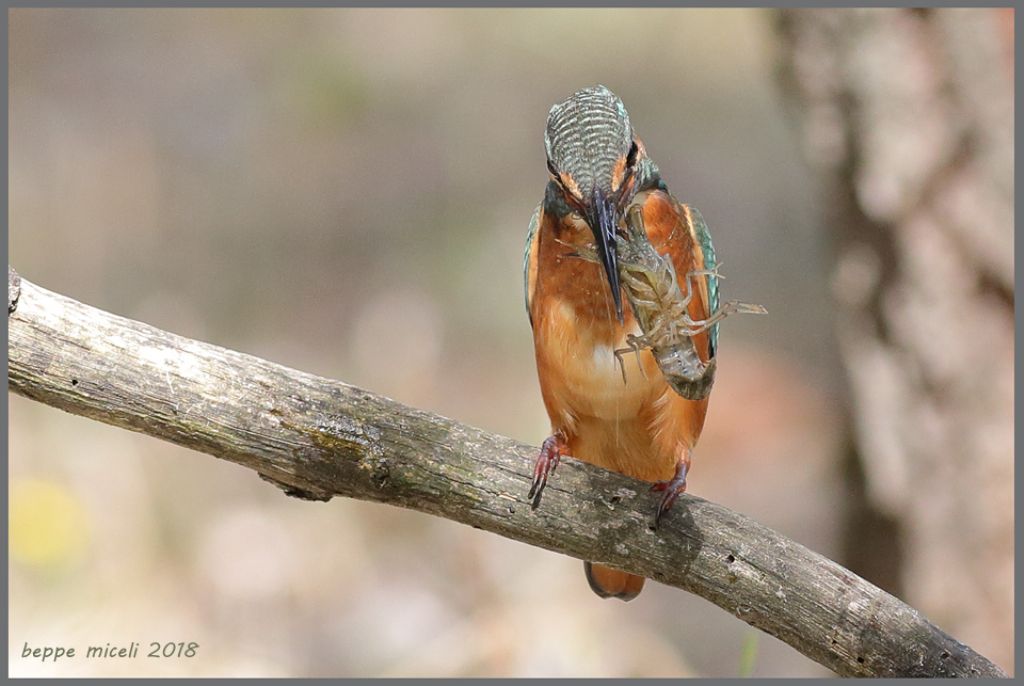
(526, 259)
(710, 261)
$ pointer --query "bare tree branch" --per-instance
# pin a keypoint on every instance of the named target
(317, 438)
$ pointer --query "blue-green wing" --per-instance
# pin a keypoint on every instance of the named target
(700, 229)
(530, 237)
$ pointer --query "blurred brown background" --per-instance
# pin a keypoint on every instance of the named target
(347, 192)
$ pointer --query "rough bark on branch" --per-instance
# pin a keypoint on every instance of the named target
(317, 438)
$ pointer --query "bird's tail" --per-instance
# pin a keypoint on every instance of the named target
(611, 583)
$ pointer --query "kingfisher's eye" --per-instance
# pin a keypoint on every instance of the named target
(631, 155)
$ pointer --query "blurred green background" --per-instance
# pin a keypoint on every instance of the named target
(347, 192)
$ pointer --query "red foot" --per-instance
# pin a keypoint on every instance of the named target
(551, 451)
(672, 489)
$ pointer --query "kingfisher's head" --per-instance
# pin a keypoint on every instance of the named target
(592, 155)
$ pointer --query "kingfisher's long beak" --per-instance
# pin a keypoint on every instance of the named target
(602, 217)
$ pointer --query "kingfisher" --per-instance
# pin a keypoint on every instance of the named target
(627, 419)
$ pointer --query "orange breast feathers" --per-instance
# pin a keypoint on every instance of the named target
(638, 427)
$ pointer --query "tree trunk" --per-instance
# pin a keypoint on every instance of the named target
(907, 114)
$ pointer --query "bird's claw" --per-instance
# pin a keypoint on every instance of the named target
(551, 451)
(671, 490)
